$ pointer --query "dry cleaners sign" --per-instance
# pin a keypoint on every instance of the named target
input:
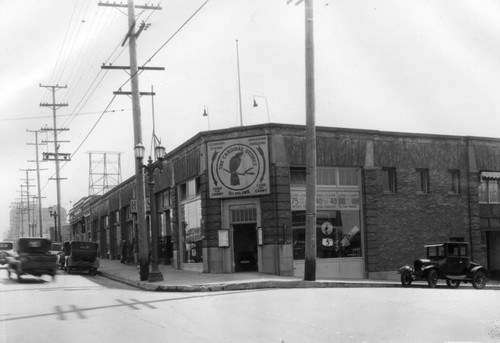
(238, 167)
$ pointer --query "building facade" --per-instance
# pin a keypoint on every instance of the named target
(234, 200)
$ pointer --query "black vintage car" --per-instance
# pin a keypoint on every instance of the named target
(6, 249)
(81, 256)
(32, 257)
(448, 261)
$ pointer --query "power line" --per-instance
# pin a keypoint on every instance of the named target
(62, 115)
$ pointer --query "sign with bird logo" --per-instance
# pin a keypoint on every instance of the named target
(238, 167)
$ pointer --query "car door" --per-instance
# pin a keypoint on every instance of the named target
(456, 259)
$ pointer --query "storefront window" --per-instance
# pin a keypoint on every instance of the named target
(193, 235)
(338, 234)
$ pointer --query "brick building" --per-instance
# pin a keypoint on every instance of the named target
(234, 200)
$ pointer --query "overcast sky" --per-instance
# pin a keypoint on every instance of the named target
(410, 66)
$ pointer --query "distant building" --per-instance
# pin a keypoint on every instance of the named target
(19, 226)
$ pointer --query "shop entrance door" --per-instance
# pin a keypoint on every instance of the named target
(245, 247)
(494, 254)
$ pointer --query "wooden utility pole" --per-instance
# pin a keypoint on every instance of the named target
(37, 160)
(140, 192)
(27, 185)
(310, 247)
(56, 156)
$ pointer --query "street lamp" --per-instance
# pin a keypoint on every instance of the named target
(255, 104)
(54, 214)
(205, 114)
(155, 274)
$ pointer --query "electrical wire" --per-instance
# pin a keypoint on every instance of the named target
(130, 77)
(62, 115)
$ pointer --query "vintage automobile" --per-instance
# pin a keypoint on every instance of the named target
(82, 256)
(32, 257)
(6, 249)
(448, 261)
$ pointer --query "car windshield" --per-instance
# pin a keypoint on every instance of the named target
(84, 245)
(6, 245)
(34, 245)
(435, 251)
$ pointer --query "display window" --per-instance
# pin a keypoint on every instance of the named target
(338, 224)
(193, 235)
(338, 234)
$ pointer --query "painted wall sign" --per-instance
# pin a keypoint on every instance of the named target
(238, 167)
(326, 200)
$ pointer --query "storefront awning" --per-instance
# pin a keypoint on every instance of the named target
(490, 175)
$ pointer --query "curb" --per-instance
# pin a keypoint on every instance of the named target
(265, 284)
(238, 286)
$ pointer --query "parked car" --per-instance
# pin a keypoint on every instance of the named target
(6, 250)
(448, 261)
(82, 257)
(32, 257)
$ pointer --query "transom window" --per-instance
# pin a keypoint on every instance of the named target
(336, 177)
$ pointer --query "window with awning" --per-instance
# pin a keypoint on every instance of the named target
(488, 187)
(490, 175)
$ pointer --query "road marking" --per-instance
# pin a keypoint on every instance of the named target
(61, 313)
(135, 302)
(74, 309)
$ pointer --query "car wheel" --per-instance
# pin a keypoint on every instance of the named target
(406, 278)
(452, 283)
(479, 280)
(432, 278)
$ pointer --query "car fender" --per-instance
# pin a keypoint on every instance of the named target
(406, 268)
(427, 269)
(479, 268)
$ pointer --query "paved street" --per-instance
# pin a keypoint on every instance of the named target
(80, 308)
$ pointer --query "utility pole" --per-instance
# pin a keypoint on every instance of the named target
(310, 244)
(136, 106)
(27, 185)
(21, 209)
(56, 155)
(37, 160)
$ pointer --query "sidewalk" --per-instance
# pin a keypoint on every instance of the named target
(187, 281)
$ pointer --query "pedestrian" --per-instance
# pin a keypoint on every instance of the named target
(124, 251)
(131, 252)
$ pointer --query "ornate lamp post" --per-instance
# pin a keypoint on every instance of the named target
(54, 214)
(155, 274)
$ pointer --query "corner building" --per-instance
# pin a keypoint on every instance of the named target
(233, 200)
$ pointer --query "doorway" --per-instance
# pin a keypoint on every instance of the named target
(245, 247)
(494, 254)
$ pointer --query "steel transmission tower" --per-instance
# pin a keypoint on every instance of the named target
(104, 171)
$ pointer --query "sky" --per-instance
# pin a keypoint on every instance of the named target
(408, 66)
